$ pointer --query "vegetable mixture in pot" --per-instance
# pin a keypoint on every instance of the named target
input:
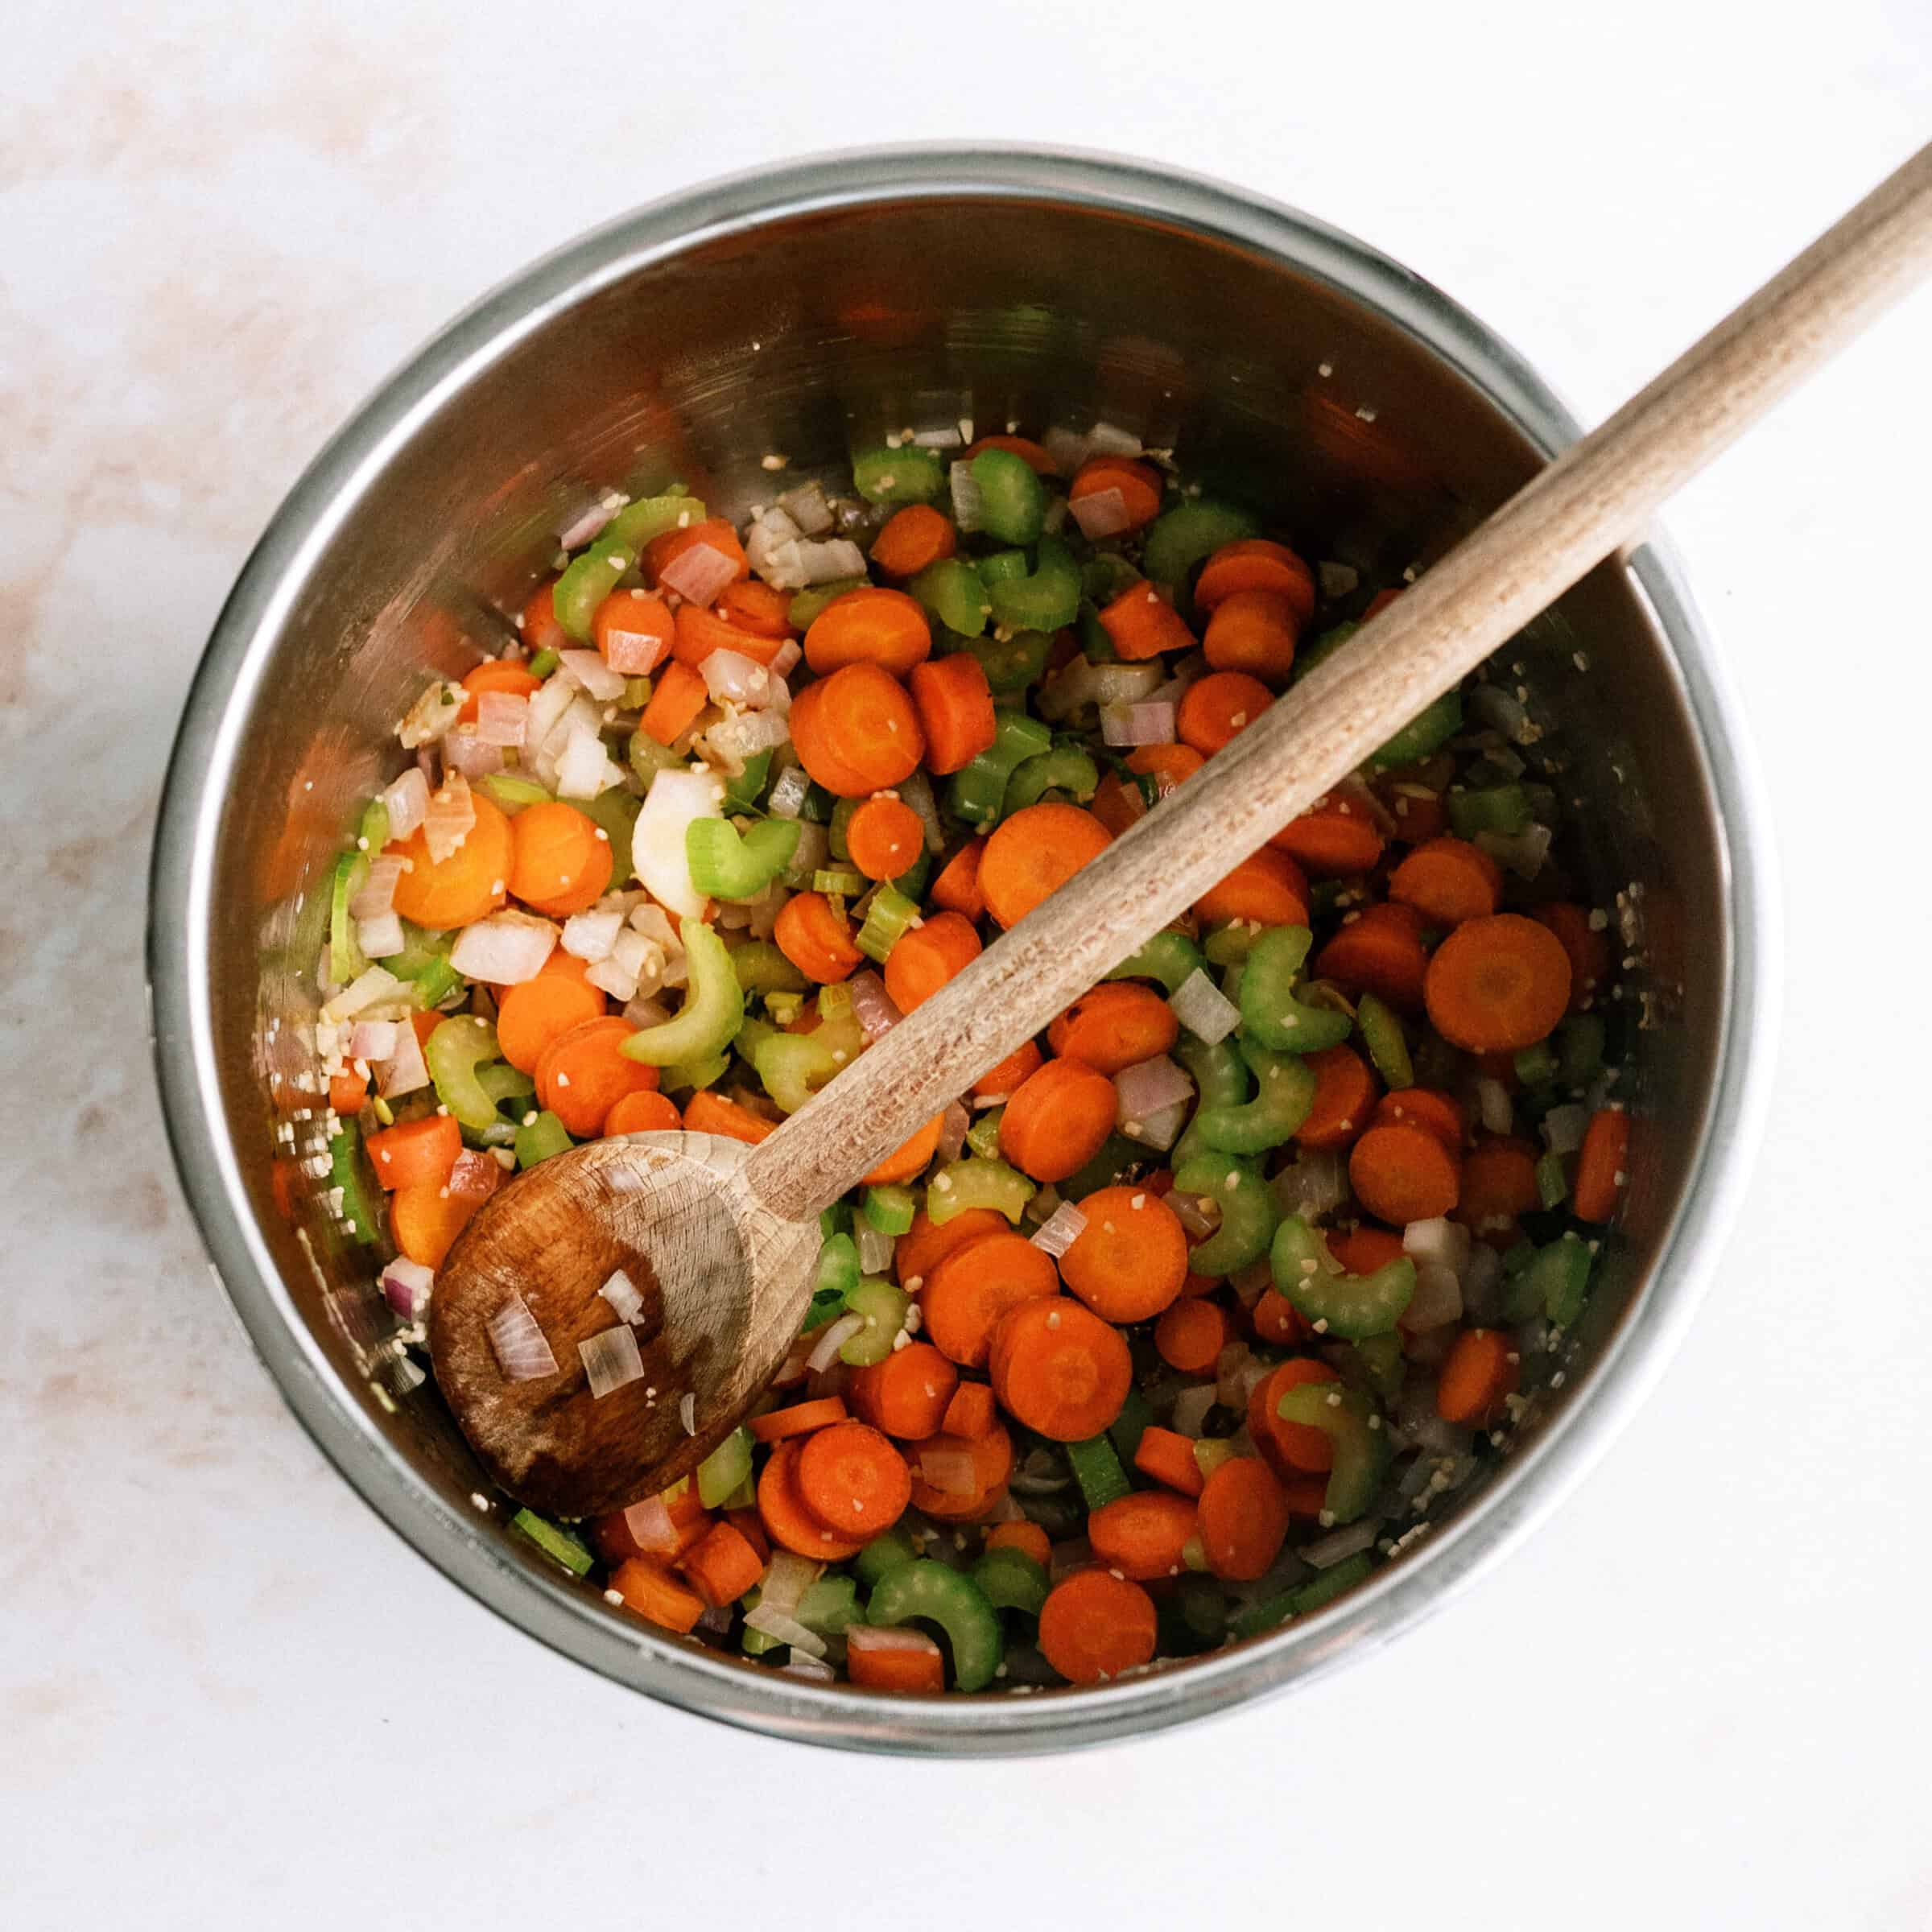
(1191, 1311)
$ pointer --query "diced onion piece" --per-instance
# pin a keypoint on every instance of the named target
(381, 937)
(1190, 1408)
(450, 816)
(965, 491)
(1181, 679)
(687, 1411)
(1493, 1107)
(835, 1337)
(784, 1630)
(1205, 1009)
(1482, 1286)
(1148, 1086)
(432, 714)
(788, 792)
(372, 1039)
(517, 1342)
(805, 507)
(949, 1467)
(590, 935)
(730, 675)
(504, 950)
(585, 770)
(875, 1247)
(611, 1361)
(1109, 440)
(1063, 1227)
(581, 528)
(872, 1006)
(742, 735)
(500, 716)
(955, 1123)
(633, 653)
(406, 1071)
(647, 1012)
(786, 658)
(609, 977)
(802, 1664)
(365, 990)
(656, 845)
(1083, 682)
(1337, 580)
(406, 1287)
(1160, 1128)
(1151, 723)
(407, 801)
(474, 1176)
(1068, 448)
(465, 750)
(699, 572)
(787, 1581)
(622, 1293)
(917, 792)
(1200, 1217)
(827, 563)
(1439, 1243)
(1437, 1302)
(378, 891)
(1103, 513)
(1564, 1127)
(588, 669)
(1312, 1185)
(1524, 851)
(1231, 1388)
(1325, 1552)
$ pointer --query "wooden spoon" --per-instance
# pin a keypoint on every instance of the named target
(721, 1237)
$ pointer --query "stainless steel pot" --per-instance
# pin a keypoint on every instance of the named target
(797, 311)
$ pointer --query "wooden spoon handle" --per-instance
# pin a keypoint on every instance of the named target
(1596, 497)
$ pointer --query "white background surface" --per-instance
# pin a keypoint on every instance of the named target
(229, 1696)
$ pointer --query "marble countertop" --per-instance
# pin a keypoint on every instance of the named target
(229, 1696)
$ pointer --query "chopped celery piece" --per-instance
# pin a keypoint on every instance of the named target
(1013, 499)
(1271, 1014)
(1127, 1428)
(882, 1306)
(1003, 567)
(1380, 1357)
(1190, 534)
(1552, 1183)
(1580, 1049)
(1170, 957)
(1012, 1580)
(935, 1593)
(504, 1082)
(454, 1051)
(762, 968)
(726, 863)
(1321, 649)
(887, 920)
(557, 1544)
(512, 790)
(713, 1012)
(1012, 662)
(838, 884)
(822, 1308)
(544, 662)
(1104, 577)
(1118, 1157)
(954, 593)
(1536, 1066)
(372, 832)
(742, 793)
(538, 1139)
(890, 1208)
(911, 883)
(1210, 1452)
(977, 1183)
(1349, 1306)
(1194, 1615)
(1272, 1611)
(835, 837)
(1249, 1214)
(1424, 735)
(1096, 1468)
(889, 1550)
(1222, 1083)
(978, 789)
(1229, 945)
(1047, 600)
(1388, 1045)
(359, 1219)
(909, 474)
(794, 1066)
(1557, 1280)
(1504, 808)
(983, 1136)
(424, 962)
(828, 1605)
(1350, 1420)
(1286, 1093)
(783, 1007)
(1065, 769)
(687, 1076)
(588, 580)
(808, 604)
(648, 758)
(345, 960)
(614, 813)
(838, 1268)
(1095, 645)
(637, 694)
(835, 1219)
(724, 1468)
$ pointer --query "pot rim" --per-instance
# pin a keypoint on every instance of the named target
(1528, 1485)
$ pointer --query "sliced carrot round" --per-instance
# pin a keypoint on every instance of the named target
(1255, 563)
(1139, 485)
(855, 731)
(885, 837)
(1601, 1165)
(869, 626)
(1447, 881)
(467, 886)
(1332, 841)
(939, 948)
(815, 938)
(1266, 888)
(853, 1480)
(1058, 1120)
(787, 1520)
(561, 859)
(1115, 1025)
(913, 537)
(926, 1244)
(1402, 1173)
(1215, 709)
(644, 1112)
(1129, 1261)
(1497, 984)
(1191, 1335)
(906, 1394)
(909, 1158)
(1059, 1369)
(1344, 1098)
(801, 1418)
(955, 704)
(1243, 1519)
(1094, 1626)
(968, 1291)
(582, 1074)
(992, 1464)
(1378, 951)
(1290, 1447)
(1034, 853)
(1253, 631)
(1142, 1534)
(533, 1014)
(496, 674)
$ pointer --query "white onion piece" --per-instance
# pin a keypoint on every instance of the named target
(1160, 1128)
(622, 1293)
(801, 1664)
(1205, 1009)
(1109, 440)
(1200, 1221)
(836, 1335)
(1101, 512)
(589, 523)
(949, 1466)
(372, 1039)
(700, 573)
(406, 1287)
(787, 1581)
(464, 751)
(376, 984)
(1151, 723)
(449, 817)
(827, 563)
(646, 1012)
(590, 935)
(742, 735)
(381, 937)
(656, 844)
(1563, 1128)
(946, 437)
(1482, 1286)
(585, 770)
(1493, 1106)
(1311, 1186)
(1083, 682)
(588, 670)
(1230, 1388)
(1438, 1243)
(611, 1361)
(1337, 580)
(609, 977)
(955, 1123)
(1325, 1552)
(784, 1630)
(917, 792)
(1183, 677)
(431, 715)
(405, 800)
(504, 950)
(1063, 1227)
(786, 659)
(378, 891)
(872, 1006)
(788, 792)
(633, 653)
(474, 1176)
(1068, 448)
(1524, 852)
(406, 1071)
(517, 1342)
(965, 491)
(875, 1247)
(1190, 1408)
(730, 675)
(500, 716)
(688, 1412)
(1437, 1300)
(805, 507)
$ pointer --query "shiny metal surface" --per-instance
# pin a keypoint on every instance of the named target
(797, 311)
